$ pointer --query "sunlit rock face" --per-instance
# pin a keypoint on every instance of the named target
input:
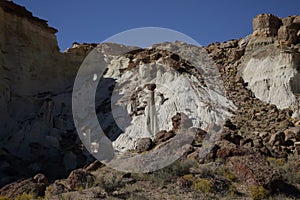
(283, 67)
(271, 61)
(177, 86)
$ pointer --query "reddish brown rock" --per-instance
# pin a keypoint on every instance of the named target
(181, 121)
(254, 170)
(94, 166)
(163, 136)
(184, 182)
(277, 138)
(143, 144)
(79, 178)
(228, 149)
(34, 186)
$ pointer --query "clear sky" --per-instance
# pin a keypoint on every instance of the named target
(205, 21)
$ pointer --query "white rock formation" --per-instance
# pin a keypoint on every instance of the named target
(182, 93)
(273, 76)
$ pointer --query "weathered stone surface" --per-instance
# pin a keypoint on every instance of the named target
(35, 186)
(143, 144)
(181, 121)
(297, 148)
(292, 134)
(174, 90)
(268, 62)
(266, 25)
(277, 138)
(163, 136)
(228, 149)
(287, 35)
(80, 178)
(254, 170)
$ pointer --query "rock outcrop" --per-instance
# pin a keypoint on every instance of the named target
(273, 51)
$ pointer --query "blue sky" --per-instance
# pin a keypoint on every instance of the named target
(205, 21)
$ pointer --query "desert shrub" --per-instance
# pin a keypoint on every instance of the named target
(259, 193)
(225, 172)
(168, 174)
(276, 162)
(66, 196)
(80, 189)
(49, 191)
(289, 169)
(188, 177)
(206, 171)
(202, 185)
(24, 196)
(136, 196)
(109, 182)
(232, 190)
(132, 188)
(179, 167)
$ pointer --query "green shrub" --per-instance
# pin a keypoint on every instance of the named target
(223, 171)
(202, 185)
(233, 190)
(276, 162)
(109, 182)
(259, 192)
(4, 198)
(80, 189)
(24, 196)
(168, 174)
(188, 177)
(289, 169)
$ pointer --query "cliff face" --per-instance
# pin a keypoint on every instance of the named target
(35, 91)
(273, 51)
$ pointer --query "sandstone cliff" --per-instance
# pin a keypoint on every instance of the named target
(36, 84)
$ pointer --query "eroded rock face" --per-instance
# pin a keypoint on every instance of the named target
(288, 33)
(34, 186)
(266, 25)
(188, 91)
(273, 51)
(36, 82)
(282, 66)
(143, 144)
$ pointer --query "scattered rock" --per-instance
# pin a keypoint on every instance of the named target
(181, 121)
(143, 144)
(163, 136)
(297, 148)
(34, 186)
(277, 139)
(80, 178)
(254, 170)
(228, 149)
(292, 134)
